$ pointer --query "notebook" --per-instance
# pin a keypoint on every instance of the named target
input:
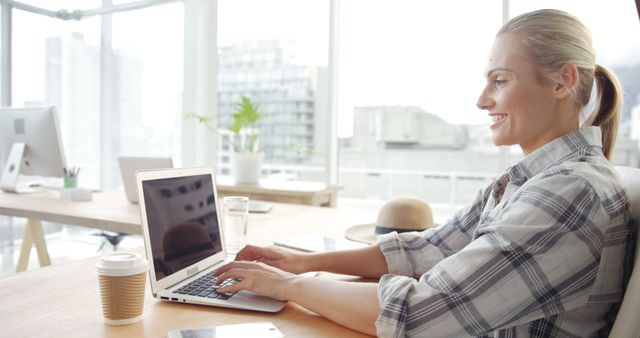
(184, 238)
(130, 164)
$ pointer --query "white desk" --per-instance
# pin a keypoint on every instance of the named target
(108, 210)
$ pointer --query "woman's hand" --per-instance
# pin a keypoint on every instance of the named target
(257, 277)
(354, 305)
(280, 259)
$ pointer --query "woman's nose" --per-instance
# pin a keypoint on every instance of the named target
(484, 101)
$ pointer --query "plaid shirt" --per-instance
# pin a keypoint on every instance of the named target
(544, 251)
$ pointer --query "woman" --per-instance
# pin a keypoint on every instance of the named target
(543, 251)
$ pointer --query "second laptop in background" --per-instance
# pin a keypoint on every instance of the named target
(130, 164)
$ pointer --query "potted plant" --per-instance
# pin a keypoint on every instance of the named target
(246, 158)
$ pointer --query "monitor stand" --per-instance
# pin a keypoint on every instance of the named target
(9, 178)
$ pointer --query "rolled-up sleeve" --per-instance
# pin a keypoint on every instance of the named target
(539, 258)
(393, 294)
(414, 253)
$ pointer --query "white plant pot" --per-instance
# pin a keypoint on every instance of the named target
(245, 167)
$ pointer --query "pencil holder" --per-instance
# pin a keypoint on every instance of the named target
(71, 181)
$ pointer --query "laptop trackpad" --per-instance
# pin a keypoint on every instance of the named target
(251, 300)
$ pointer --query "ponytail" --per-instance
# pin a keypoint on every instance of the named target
(607, 107)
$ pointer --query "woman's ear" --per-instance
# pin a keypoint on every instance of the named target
(568, 80)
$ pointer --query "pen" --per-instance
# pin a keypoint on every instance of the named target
(71, 171)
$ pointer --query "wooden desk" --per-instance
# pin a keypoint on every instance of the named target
(296, 192)
(109, 210)
(63, 300)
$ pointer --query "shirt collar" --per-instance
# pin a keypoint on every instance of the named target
(555, 152)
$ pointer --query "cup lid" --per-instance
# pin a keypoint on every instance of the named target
(121, 264)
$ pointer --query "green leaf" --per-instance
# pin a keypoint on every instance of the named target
(246, 116)
(202, 119)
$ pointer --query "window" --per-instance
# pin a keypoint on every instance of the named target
(59, 64)
(279, 60)
(410, 74)
(117, 84)
(147, 88)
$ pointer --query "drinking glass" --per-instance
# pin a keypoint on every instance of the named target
(236, 214)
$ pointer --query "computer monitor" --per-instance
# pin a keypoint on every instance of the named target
(31, 143)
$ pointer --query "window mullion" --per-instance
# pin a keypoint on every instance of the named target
(200, 91)
(5, 55)
(331, 160)
(106, 98)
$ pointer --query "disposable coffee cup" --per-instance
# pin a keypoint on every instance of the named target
(122, 278)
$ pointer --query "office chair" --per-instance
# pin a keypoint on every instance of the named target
(627, 324)
(114, 240)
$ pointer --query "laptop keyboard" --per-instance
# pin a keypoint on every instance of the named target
(204, 287)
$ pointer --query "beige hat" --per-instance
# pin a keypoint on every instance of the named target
(400, 214)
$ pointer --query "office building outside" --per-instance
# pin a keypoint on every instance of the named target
(291, 98)
(108, 118)
(405, 151)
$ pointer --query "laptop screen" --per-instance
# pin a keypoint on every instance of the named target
(182, 221)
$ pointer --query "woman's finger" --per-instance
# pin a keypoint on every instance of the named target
(248, 253)
(219, 271)
(235, 287)
(243, 277)
(254, 253)
(223, 272)
(230, 265)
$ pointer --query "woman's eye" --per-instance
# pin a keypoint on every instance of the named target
(499, 82)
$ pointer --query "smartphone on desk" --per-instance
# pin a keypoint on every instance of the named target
(261, 329)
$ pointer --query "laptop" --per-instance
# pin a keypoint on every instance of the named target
(184, 239)
(130, 164)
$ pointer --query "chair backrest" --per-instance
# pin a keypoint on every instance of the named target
(627, 324)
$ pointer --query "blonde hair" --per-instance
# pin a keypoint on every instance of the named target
(553, 38)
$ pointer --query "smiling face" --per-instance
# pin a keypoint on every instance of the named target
(524, 107)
